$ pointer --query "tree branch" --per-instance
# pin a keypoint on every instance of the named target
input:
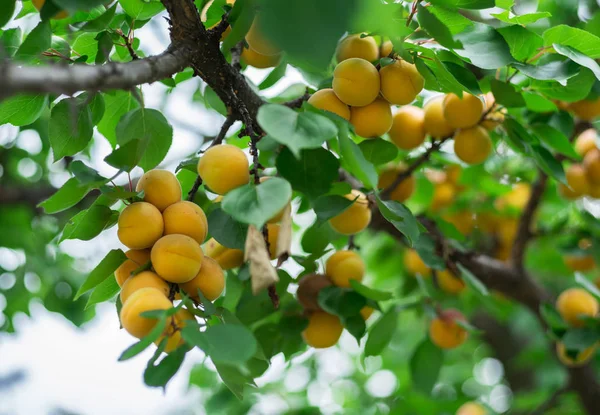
(551, 402)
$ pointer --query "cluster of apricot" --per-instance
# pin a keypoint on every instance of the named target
(583, 178)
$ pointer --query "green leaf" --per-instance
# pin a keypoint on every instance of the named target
(255, 205)
(21, 110)
(554, 139)
(296, 130)
(190, 164)
(523, 43)
(341, 302)
(326, 207)
(587, 284)
(559, 71)
(425, 247)
(36, 42)
(223, 343)
(275, 75)
(316, 238)
(378, 151)
(506, 95)
(70, 128)
(234, 378)
(100, 22)
(401, 217)
(484, 47)
(312, 173)
(548, 163)
(117, 104)
(472, 281)
(579, 57)
(141, 9)
(579, 339)
(579, 39)
(76, 5)
(125, 157)
(104, 291)
(11, 40)
(381, 333)
(465, 4)
(552, 318)
(67, 196)
(86, 46)
(523, 20)
(103, 270)
(212, 100)
(353, 160)
(87, 224)
(578, 87)
(146, 341)
(538, 103)
(452, 19)
(6, 11)
(436, 28)
(442, 77)
(425, 365)
(370, 293)
(226, 230)
(159, 375)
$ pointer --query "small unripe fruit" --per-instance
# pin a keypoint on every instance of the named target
(135, 259)
(224, 168)
(366, 312)
(258, 42)
(227, 258)
(174, 339)
(586, 141)
(581, 359)
(436, 124)
(579, 262)
(308, 290)
(140, 225)
(449, 283)
(210, 280)
(445, 332)
(323, 330)
(354, 219)
(443, 195)
(186, 218)
(386, 48)
(161, 188)
(472, 145)
(586, 109)
(591, 164)
(471, 408)
(402, 191)
(462, 113)
(253, 58)
(372, 120)
(574, 303)
(344, 266)
(326, 99)
(355, 46)
(38, 4)
(177, 258)
(145, 279)
(400, 82)
(408, 127)
(144, 299)
(356, 82)
(414, 264)
(577, 179)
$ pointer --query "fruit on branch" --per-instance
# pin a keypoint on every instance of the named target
(400, 82)
(577, 179)
(586, 110)
(145, 299)
(177, 258)
(174, 339)
(462, 220)
(145, 279)
(445, 332)
(471, 408)
(449, 283)
(515, 199)
(223, 168)
(210, 280)
(308, 290)
(579, 359)
(586, 141)
(408, 127)
(574, 303)
(323, 330)
(273, 231)
(161, 188)
(186, 218)
(386, 48)
(436, 124)
(135, 259)
(140, 225)
(227, 258)
(591, 164)
(472, 145)
(38, 4)
(453, 173)
(494, 117)
(403, 190)
(355, 46)
(343, 266)
(354, 219)
(462, 112)
(444, 194)
(253, 58)
(579, 262)
(356, 82)
(414, 264)
(326, 99)
(258, 42)
(372, 120)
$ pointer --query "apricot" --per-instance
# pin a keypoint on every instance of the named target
(355, 46)
(224, 168)
(144, 299)
(463, 221)
(326, 99)
(402, 191)
(210, 280)
(400, 82)
(462, 113)
(414, 264)
(38, 4)
(253, 58)
(144, 279)
(577, 179)
(186, 218)
(366, 312)
(594, 191)
(488, 222)
(581, 359)
(591, 164)
(574, 303)
(258, 42)
(273, 237)
(386, 48)
(453, 173)
(569, 194)
(161, 188)
(372, 120)
(445, 332)
(471, 408)
(174, 339)
(472, 145)
(227, 258)
(344, 266)
(140, 225)
(308, 290)
(516, 198)
(177, 258)
(449, 283)
(436, 124)
(586, 141)
(323, 330)
(586, 109)
(356, 82)
(354, 219)
(579, 262)
(135, 259)
(408, 127)
(443, 195)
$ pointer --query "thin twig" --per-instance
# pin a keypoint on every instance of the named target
(220, 27)
(297, 103)
(128, 38)
(413, 11)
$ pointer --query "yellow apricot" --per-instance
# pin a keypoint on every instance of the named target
(210, 280)
(402, 191)
(472, 145)
(227, 258)
(503, 252)
(223, 168)
(594, 191)
(186, 218)
(574, 303)
(135, 259)
(354, 219)
(487, 221)
(444, 331)
(38, 4)
(586, 109)
(386, 48)
(366, 312)
(516, 198)
(258, 42)
(443, 195)
(463, 221)
(569, 194)
(372, 120)
(344, 266)
(253, 58)
(449, 283)
(356, 82)
(140, 225)
(174, 339)
(144, 279)
(591, 164)
(144, 299)
(161, 188)
(507, 230)
(408, 127)
(436, 124)
(323, 330)
(453, 173)
(471, 408)
(580, 263)
(355, 46)
(400, 82)
(577, 179)
(414, 264)
(586, 141)
(326, 99)
(462, 113)
(273, 236)
(581, 359)
(177, 258)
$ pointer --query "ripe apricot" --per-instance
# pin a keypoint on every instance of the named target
(408, 127)
(586, 141)
(445, 332)
(161, 188)
(586, 109)
(436, 124)
(386, 48)
(463, 221)
(453, 173)
(516, 198)
(581, 359)
(472, 145)
(471, 408)
(462, 113)
(449, 283)
(135, 259)
(574, 303)
(569, 194)
(507, 230)
(140, 225)
(594, 191)
(591, 163)
(400, 82)
(372, 120)
(210, 280)
(577, 179)
(273, 237)
(143, 280)
(414, 264)
(579, 262)
(174, 339)
(402, 191)
(327, 100)
(354, 219)
(443, 195)
(356, 82)
(144, 299)
(186, 218)
(38, 4)
(177, 258)
(253, 58)
(258, 42)
(355, 46)
(344, 266)
(487, 221)
(308, 290)
(323, 330)
(227, 258)
(224, 168)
